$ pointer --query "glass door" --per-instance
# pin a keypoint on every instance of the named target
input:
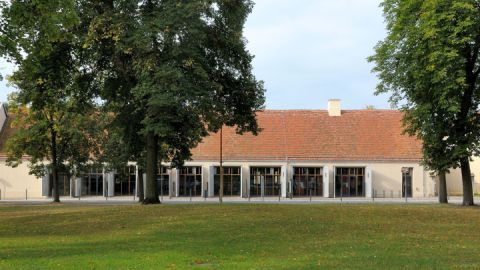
(407, 182)
(350, 182)
(163, 180)
(265, 181)
(307, 181)
(231, 181)
(190, 181)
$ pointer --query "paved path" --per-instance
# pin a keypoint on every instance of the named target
(230, 200)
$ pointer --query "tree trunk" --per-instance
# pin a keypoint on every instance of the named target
(141, 193)
(442, 188)
(55, 191)
(467, 182)
(151, 193)
(220, 195)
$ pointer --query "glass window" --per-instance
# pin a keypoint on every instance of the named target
(190, 181)
(231, 181)
(63, 184)
(307, 181)
(125, 181)
(163, 181)
(350, 182)
(92, 182)
(266, 179)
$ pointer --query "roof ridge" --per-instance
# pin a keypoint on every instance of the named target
(325, 110)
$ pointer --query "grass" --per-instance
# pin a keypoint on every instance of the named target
(240, 237)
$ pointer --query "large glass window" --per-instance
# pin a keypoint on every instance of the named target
(350, 182)
(163, 180)
(63, 184)
(266, 180)
(231, 181)
(307, 181)
(92, 182)
(125, 181)
(190, 181)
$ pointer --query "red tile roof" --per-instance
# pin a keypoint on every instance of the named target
(357, 135)
(309, 135)
(6, 132)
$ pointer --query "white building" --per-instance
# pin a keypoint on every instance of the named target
(299, 153)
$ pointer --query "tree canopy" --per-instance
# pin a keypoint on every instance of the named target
(165, 72)
(53, 102)
(176, 70)
(429, 63)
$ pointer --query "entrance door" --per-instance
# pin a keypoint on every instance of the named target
(407, 182)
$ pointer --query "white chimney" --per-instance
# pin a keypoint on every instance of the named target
(334, 108)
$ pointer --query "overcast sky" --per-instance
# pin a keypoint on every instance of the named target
(309, 51)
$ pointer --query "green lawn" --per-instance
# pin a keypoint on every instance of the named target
(239, 237)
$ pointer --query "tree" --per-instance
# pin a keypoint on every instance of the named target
(52, 106)
(123, 145)
(109, 35)
(430, 64)
(437, 152)
(192, 73)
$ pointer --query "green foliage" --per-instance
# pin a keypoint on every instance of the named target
(178, 69)
(429, 63)
(53, 105)
(78, 138)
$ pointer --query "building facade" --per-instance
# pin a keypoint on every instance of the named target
(299, 153)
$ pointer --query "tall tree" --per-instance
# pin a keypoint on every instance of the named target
(200, 70)
(53, 103)
(109, 37)
(430, 64)
(192, 73)
(437, 151)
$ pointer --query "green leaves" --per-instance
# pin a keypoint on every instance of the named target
(424, 64)
(54, 110)
(180, 68)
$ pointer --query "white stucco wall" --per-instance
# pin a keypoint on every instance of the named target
(475, 169)
(15, 182)
(454, 179)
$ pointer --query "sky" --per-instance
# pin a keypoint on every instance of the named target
(309, 51)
